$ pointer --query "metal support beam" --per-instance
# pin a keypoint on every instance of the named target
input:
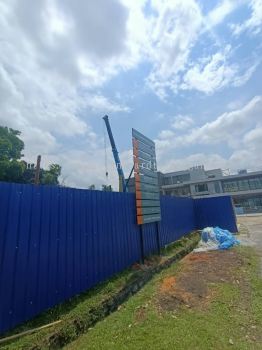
(119, 169)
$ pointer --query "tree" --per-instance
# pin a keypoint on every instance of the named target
(13, 169)
(92, 187)
(3, 169)
(55, 169)
(11, 146)
(50, 177)
(5, 148)
(107, 188)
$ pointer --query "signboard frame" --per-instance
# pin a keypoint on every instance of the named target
(146, 179)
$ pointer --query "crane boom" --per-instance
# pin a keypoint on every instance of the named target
(122, 183)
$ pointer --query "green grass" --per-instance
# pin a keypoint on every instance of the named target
(234, 316)
(78, 307)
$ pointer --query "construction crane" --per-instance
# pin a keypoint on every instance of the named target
(121, 176)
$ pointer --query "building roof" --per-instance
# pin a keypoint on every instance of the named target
(217, 178)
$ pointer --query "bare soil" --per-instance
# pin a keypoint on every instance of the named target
(192, 285)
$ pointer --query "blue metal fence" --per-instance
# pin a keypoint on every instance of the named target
(56, 242)
(178, 218)
(215, 211)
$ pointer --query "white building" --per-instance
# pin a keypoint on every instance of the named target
(244, 187)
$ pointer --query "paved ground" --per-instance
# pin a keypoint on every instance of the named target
(251, 232)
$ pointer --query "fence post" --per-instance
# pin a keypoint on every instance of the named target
(142, 244)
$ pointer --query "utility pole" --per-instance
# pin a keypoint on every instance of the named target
(37, 170)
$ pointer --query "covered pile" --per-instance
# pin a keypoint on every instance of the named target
(213, 238)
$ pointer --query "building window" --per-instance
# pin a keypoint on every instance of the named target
(201, 188)
(167, 180)
(255, 183)
(182, 191)
(181, 178)
(230, 186)
(243, 185)
(249, 203)
(217, 187)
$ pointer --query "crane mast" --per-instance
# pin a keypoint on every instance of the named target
(122, 183)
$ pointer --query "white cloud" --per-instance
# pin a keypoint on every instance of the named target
(38, 141)
(166, 134)
(57, 55)
(230, 126)
(245, 159)
(236, 104)
(243, 78)
(176, 29)
(91, 32)
(215, 72)
(253, 138)
(182, 122)
(254, 23)
(51, 59)
(102, 103)
(239, 130)
(211, 76)
(218, 14)
(82, 168)
(210, 161)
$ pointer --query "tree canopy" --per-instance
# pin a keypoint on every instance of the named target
(107, 188)
(11, 146)
(13, 169)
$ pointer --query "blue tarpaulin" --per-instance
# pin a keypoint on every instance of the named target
(223, 239)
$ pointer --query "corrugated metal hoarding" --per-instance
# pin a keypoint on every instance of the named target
(57, 242)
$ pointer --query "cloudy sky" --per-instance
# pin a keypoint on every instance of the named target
(186, 73)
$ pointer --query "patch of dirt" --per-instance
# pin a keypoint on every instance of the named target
(140, 314)
(191, 287)
(148, 263)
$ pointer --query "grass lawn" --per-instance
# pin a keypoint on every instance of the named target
(232, 318)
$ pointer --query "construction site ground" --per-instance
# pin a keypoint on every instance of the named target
(210, 300)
